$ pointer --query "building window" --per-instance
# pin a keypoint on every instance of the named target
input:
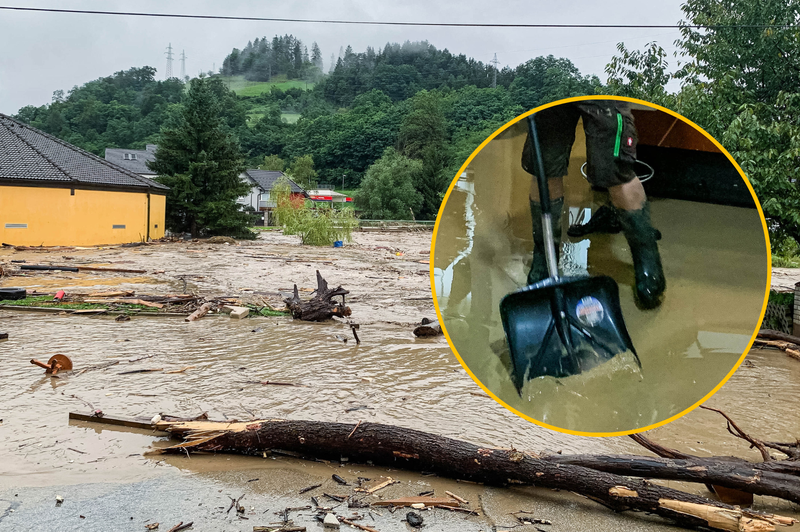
(118, 227)
(16, 226)
(130, 156)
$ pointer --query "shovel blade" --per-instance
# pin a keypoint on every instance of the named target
(562, 327)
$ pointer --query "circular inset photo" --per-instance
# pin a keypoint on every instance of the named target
(600, 265)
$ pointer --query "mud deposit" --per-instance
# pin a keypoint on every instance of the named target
(106, 475)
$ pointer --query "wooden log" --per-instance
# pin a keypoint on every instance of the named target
(408, 501)
(738, 475)
(124, 302)
(769, 334)
(48, 267)
(411, 449)
(199, 313)
(125, 293)
(117, 270)
(136, 423)
(321, 307)
(791, 349)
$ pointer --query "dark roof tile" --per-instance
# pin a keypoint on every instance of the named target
(266, 180)
(28, 154)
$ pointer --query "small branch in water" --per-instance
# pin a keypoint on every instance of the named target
(739, 433)
(309, 488)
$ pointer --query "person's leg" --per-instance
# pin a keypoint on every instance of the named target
(611, 153)
(634, 215)
(556, 128)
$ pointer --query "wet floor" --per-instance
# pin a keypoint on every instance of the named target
(716, 267)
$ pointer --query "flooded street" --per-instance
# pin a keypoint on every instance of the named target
(106, 476)
(715, 263)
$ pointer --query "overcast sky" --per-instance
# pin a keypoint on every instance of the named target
(44, 52)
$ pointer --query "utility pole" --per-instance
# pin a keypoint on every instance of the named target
(169, 62)
(183, 65)
(495, 62)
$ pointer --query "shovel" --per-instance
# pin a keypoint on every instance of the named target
(561, 326)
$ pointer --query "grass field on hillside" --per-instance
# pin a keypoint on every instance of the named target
(257, 112)
(243, 87)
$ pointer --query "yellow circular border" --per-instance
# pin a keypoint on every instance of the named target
(578, 99)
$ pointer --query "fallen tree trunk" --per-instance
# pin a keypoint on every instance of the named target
(734, 474)
(412, 449)
(769, 334)
(321, 307)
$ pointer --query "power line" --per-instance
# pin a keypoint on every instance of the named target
(397, 23)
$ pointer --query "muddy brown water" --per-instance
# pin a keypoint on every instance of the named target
(716, 267)
(107, 475)
(390, 378)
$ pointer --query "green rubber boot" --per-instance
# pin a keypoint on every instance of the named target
(650, 282)
(539, 266)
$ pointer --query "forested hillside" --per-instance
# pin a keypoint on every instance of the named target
(429, 105)
(263, 59)
(124, 110)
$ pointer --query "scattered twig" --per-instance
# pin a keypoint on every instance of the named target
(179, 370)
(180, 526)
(234, 503)
(141, 371)
(456, 497)
(351, 523)
(354, 429)
(309, 488)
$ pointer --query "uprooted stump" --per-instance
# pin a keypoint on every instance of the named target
(321, 307)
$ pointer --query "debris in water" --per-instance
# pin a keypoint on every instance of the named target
(330, 522)
(428, 327)
(339, 479)
(56, 363)
(309, 488)
(414, 519)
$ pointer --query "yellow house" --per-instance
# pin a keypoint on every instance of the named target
(56, 194)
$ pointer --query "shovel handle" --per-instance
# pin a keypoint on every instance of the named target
(536, 156)
(41, 364)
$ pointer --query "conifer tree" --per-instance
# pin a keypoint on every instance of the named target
(199, 158)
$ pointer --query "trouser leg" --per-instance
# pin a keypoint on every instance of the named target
(538, 271)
